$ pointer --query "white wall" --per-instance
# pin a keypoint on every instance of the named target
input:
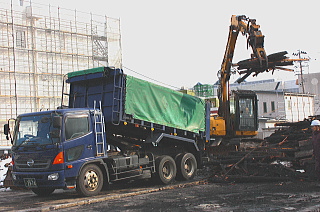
(298, 107)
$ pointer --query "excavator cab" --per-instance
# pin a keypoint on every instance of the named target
(243, 118)
(243, 113)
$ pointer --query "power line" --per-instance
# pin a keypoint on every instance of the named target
(151, 78)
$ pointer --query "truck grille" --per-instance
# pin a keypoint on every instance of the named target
(24, 164)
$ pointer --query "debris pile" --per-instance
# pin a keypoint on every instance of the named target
(285, 155)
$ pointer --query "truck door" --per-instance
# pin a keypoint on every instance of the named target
(78, 140)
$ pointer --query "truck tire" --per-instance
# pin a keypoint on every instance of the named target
(43, 191)
(186, 166)
(90, 181)
(166, 170)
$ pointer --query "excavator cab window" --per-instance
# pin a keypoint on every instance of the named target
(245, 111)
(246, 116)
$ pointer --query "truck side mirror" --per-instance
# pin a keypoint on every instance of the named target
(6, 129)
(55, 134)
(57, 121)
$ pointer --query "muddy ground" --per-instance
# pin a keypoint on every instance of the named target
(278, 189)
(253, 197)
(198, 195)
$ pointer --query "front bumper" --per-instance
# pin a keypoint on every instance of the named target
(41, 179)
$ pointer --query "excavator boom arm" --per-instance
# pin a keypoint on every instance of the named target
(255, 40)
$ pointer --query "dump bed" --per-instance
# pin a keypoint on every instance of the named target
(126, 98)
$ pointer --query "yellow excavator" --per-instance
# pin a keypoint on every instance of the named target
(237, 115)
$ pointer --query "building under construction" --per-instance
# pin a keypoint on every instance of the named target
(39, 44)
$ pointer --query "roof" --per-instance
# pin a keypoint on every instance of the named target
(60, 111)
(284, 93)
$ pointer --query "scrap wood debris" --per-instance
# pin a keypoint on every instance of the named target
(275, 61)
(284, 155)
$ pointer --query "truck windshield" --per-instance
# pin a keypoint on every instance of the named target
(35, 130)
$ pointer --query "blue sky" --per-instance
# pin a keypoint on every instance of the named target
(181, 42)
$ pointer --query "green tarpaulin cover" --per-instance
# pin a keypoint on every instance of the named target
(84, 72)
(153, 103)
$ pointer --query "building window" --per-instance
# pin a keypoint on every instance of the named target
(21, 39)
(273, 108)
(289, 105)
(265, 107)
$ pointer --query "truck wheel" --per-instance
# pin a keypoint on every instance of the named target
(186, 166)
(43, 191)
(90, 181)
(166, 169)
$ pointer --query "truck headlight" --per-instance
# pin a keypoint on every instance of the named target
(54, 176)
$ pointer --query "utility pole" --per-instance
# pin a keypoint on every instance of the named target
(301, 71)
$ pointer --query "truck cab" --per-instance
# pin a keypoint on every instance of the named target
(51, 146)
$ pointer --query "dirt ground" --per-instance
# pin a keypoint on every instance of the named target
(201, 194)
(198, 195)
(252, 197)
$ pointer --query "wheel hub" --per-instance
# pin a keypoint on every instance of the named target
(188, 167)
(166, 171)
(91, 179)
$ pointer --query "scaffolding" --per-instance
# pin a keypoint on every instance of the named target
(39, 44)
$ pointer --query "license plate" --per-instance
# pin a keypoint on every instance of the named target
(30, 182)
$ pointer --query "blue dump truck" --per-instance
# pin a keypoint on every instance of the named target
(116, 128)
